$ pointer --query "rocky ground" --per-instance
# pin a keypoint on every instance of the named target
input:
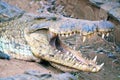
(107, 52)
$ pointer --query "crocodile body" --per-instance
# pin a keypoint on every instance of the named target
(30, 37)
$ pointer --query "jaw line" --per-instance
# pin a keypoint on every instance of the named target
(59, 45)
(86, 64)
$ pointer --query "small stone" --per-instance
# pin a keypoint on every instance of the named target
(111, 55)
(4, 56)
(109, 6)
(115, 13)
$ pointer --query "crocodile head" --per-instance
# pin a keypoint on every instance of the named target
(45, 43)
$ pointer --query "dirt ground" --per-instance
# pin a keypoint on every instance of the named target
(106, 52)
(14, 67)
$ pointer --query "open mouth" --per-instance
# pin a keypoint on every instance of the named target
(64, 49)
(73, 55)
(86, 28)
(50, 47)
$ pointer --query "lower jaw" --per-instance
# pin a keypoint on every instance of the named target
(64, 63)
(64, 68)
(76, 54)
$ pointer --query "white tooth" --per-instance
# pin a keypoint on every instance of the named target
(62, 35)
(107, 34)
(84, 38)
(76, 64)
(95, 58)
(71, 55)
(72, 15)
(103, 35)
(58, 51)
(94, 70)
(70, 34)
(101, 65)
(67, 53)
(66, 59)
(68, 44)
(61, 55)
(66, 35)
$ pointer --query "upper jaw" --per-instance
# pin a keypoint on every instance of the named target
(68, 57)
(72, 58)
(84, 28)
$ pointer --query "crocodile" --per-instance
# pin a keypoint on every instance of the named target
(31, 37)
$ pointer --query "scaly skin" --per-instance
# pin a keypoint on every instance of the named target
(31, 37)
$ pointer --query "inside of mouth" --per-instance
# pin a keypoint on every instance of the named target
(64, 49)
(56, 42)
(71, 53)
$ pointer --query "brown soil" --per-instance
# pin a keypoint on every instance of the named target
(14, 67)
(110, 71)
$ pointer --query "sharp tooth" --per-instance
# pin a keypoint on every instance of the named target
(59, 52)
(72, 15)
(107, 34)
(94, 70)
(66, 35)
(103, 35)
(61, 55)
(76, 64)
(71, 55)
(62, 35)
(101, 65)
(67, 53)
(95, 58)
(67, 59)
(70, 34)
(84, 38)
(56, 50)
